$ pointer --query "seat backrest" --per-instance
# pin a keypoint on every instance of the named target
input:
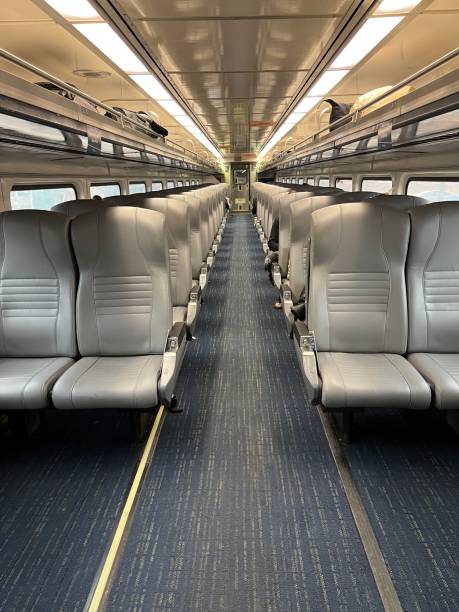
(285, 223)
(300, 219)
(357, 293)
(433, 279)
(178, 240)
(124, 300)
(399, 201)
(37, 285)
(195, 231)
(74, 208)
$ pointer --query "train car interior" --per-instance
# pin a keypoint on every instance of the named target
(229, 299)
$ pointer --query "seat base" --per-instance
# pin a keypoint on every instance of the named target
(441, 370)
(110, 382)
(375, 380)
(26, 383)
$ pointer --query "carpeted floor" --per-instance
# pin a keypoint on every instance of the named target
(242, 509)
(406, 467)
(60, 496)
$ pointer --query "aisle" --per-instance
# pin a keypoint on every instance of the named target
(242, 509)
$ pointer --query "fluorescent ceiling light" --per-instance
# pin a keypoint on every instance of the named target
(293, 118)
(396, 6)
(151, 86)
(365, 40)
(186, 122)
(172, 108)
(306, 104)
(74, 9)
(107, 40)
(326, 82)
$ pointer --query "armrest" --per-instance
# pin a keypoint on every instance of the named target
(287, 304)
(194, 304)
(305, 346)
(172, 362)
(277, 276)
(203, 276)
(286, 292)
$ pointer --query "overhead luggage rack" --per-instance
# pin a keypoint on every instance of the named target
(52, 121)
(429, 113)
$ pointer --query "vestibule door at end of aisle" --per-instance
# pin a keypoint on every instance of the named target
(240, 186)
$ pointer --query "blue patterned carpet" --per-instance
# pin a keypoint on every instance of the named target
(60, 496)
(242, 509)
(406, 467)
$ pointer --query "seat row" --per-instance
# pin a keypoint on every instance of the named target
(195, 221)
(88, 320)
(381, 303)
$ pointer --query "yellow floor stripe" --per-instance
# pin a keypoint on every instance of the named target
(104, 577)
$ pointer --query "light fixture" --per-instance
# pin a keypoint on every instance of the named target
(365, 40)
(306, 104)
(151, 86)
(172, 108)
(293, 118)
(107, 40)
(396, 6)
(326, 82)
(74, 9)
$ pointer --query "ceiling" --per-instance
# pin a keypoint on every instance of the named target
(238, 64)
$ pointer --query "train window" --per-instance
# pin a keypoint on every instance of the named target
(310, 180)
(170, 185)
(156, 186)
(179, 183)
(324, 182)
(137, 188)
(40, 198)
(105, 191)
(379, 185)
(434, 189)
(344, 183)
(301, 181)
(187, 183)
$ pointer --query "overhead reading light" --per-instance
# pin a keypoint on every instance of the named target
(365, 40)
(151, 86)
(74, 9)
(396, 6)
(107, 40)
(326, 82)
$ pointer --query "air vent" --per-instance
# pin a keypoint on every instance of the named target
(92, 74)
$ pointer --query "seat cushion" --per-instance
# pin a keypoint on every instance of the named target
(379, 380)
(179, 314)
(109, 382)
(26, 383)
(441, 370)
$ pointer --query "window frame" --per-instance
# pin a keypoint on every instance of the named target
(431, 179)
(40, 187)
(144, 183)
(110, 184)
(170, 181)
(157, 183)
(376, 178)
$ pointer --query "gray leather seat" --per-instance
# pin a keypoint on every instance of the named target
(74, 208)
(433, 299)
(300, 229)
(358, 308)
(177, 218)
(37, 293)
(399, 201)
(123, 312)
